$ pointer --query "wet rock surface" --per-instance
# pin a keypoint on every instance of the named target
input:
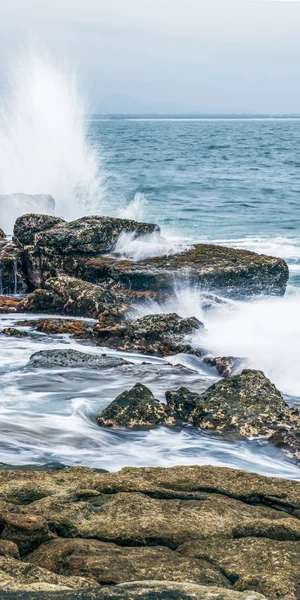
(134, 408)
(68, 295)
(74, 359)
(162, 334)
(89, 235)
(218, 532)
(232, 271)
(27, 226)
(13, 279)
(239, 406)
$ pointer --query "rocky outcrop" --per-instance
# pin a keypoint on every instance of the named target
(162, 334)
(135, 408)
(28, 225)
(2, 234)
(10, 305)
(74, 359)
(226, 531)
(237, 407)
(234, 272)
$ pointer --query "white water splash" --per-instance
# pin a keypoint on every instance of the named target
(147, 246)
(44, 146)
(136, 209)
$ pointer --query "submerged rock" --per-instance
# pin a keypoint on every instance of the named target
(10, 305)
(78, 329)
(225, 365)
(13, 332)
(74, 358)
(231, 271)
(161, 334)
(237, 533)
(136, 408)
(28, 225)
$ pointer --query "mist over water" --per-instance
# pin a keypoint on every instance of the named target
(43, 140)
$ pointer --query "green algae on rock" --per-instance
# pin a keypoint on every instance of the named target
(89, 235)
(134, 408)
(27, 226)
(239, 406)
(161, 334)
(232, 271)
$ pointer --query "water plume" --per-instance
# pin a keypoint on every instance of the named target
(44, 145)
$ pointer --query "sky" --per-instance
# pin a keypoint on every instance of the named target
(166, 56)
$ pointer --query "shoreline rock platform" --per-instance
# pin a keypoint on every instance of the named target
(182, 532)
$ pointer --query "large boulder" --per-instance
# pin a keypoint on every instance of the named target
(89, 235)
(28, 225)
(231, 271)
(162, 334)
(134, 408)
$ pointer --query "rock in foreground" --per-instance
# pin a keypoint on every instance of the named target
(46, 359)
(184, 531)
(143, 590)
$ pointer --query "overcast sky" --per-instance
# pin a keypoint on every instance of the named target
(168, 55)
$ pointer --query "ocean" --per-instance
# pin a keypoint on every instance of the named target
(231, 181)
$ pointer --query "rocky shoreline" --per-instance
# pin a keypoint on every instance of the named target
(212, 532)
(180, 533)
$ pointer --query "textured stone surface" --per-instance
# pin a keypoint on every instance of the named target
(71, 296)
(232, 271)
(28, 225)
(134, 408)
(2, 234)
(74, 359)
(89, 235)
(162, 334)
(144, 590)
(220, 527)
(267, 566)
(78, 329)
